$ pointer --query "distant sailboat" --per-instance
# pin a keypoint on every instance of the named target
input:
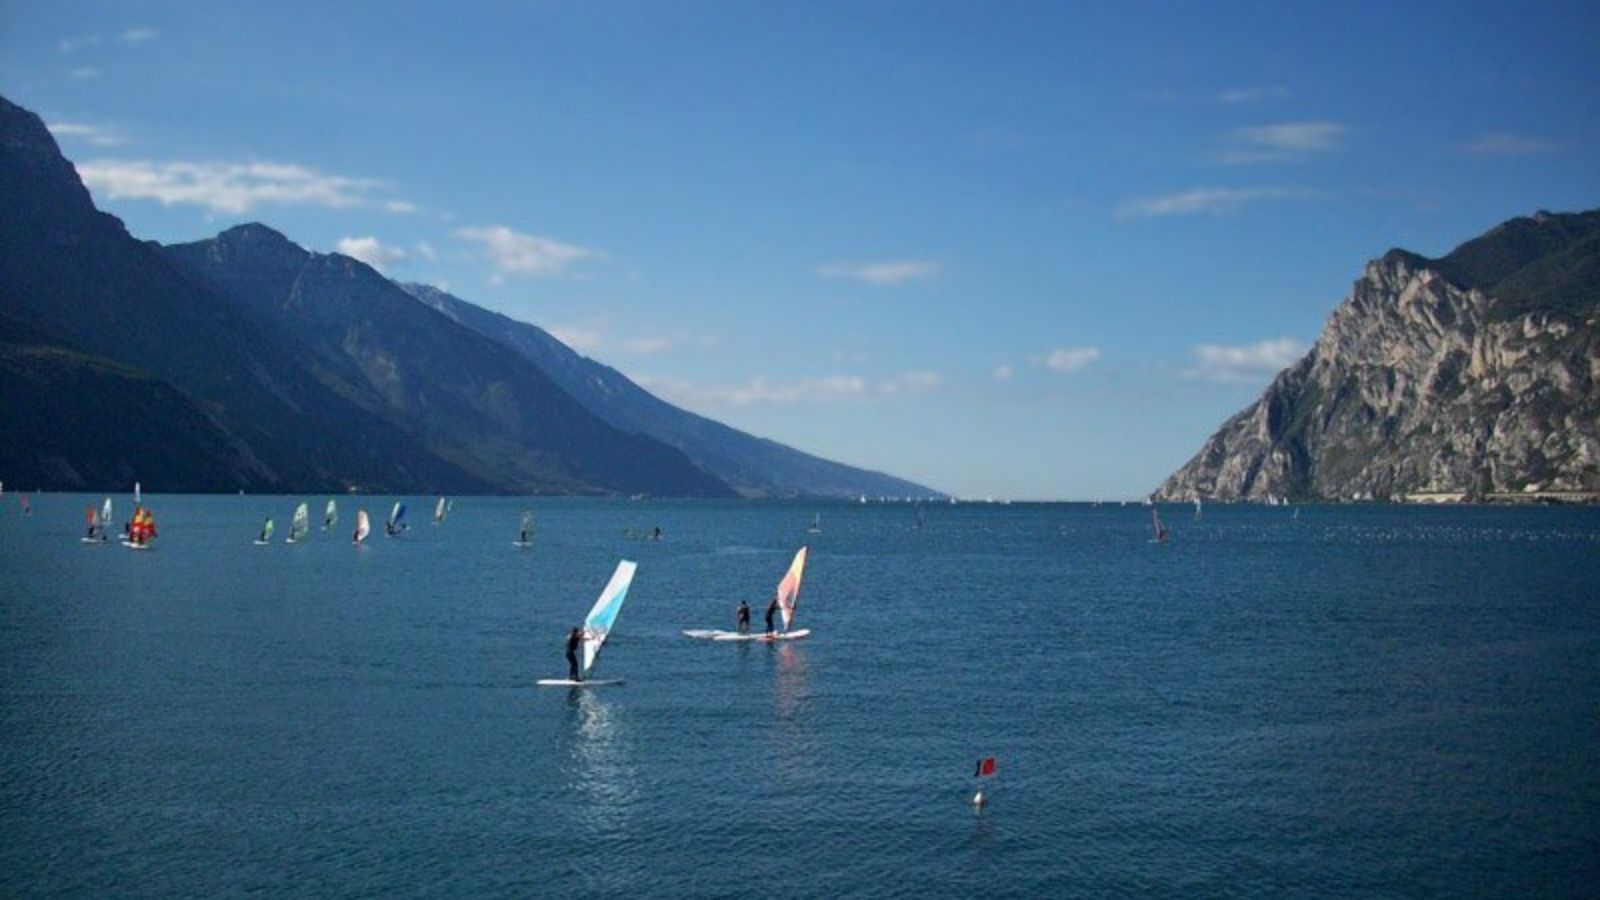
(330, 516)
(300, 525)
(363, 527)
(22, 501)
(94, 528)
(266, 533)
(397, 520)
(439, 510)
(141, 529)
(787, 596)
(1159, 529)
(1197, 507)
(105, 515)
(525, 530)
(597, 627)
(816, 524)
(138, 496)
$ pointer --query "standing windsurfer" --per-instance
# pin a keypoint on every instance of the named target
(741, 617)
(574, 640)
(772, 610)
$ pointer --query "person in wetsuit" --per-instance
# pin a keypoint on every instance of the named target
(772, 610)
(574, 641)
(741, 617)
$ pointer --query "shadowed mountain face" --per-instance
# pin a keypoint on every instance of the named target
(1476, 373)
(313, 372)
(755, 466)
(466, 398)
(74, 273)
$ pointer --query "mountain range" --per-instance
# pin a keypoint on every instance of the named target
(1475, 375)
(245, 362)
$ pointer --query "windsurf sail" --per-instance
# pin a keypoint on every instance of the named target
(1160, 529)
(525, 531)
(300, 524)
(363, 527)
(397, 519)
(816, 524)
(105, 514)
(438, 512)
(138, 496)
(597, 625)
(266, 530)
(330, 515)
(789, 588)
(91, 520)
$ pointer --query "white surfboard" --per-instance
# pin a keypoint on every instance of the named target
(132, 546)
(763, 637)
(567, 682)
(597, 626)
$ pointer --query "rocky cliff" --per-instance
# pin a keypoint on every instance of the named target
(1475, 373)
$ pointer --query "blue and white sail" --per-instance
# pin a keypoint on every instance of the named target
(597, 625)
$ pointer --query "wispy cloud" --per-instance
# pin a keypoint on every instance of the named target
(1253, 94)
(426, 251)
(372, 251)
(400, 206)
(763, 391)
(1003, 372)
(98, 135)
(1284, 142)
(74, 44)
(585, 339)
(225, 187)
(1070, 359)
(882, 273)
(138, 35)
(1212, 201)
(514, 253)
(83, 73)
(1244, 363)
(1502, 144)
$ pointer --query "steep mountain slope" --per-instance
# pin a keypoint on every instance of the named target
(466, 398)
(755, 466)
(73, 272)
(1475, 373)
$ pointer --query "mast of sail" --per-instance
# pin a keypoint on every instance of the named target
(789, 588)
(597, 625)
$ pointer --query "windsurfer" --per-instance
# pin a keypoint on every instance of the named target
(574, 640)
(741, 617)
(772, 610)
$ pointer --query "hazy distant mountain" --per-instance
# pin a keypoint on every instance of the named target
(756, 466)
(1476, 373)
(74, 273)
(466, 398)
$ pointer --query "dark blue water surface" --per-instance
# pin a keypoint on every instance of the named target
(1361, 701)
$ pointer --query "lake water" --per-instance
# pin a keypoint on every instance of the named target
(1361, 701)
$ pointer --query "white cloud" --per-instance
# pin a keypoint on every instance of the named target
(371, 251)
(650, 344)
(882, 273)
(515, 253)
(1282, 142)
(400, 206)
(1003, 372)
(1253, 94)
(74, 44)
(94, 134)
(224, 187)
(1244, 363)
(84, 73)
(426, 251)
(1502, 144)
(138, 35)
(1070, 359)
(763, 391)
(1214, 201)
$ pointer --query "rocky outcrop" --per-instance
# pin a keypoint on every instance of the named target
(1428, 379)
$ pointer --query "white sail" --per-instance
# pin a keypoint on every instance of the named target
(525, 530)
(105, 513)
(138, 496)
(331, 514)
(789, 587)
(300, 524)
(597, 625)
(363, 527)
(438, 511)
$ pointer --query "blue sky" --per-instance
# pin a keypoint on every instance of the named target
(1007, 249)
